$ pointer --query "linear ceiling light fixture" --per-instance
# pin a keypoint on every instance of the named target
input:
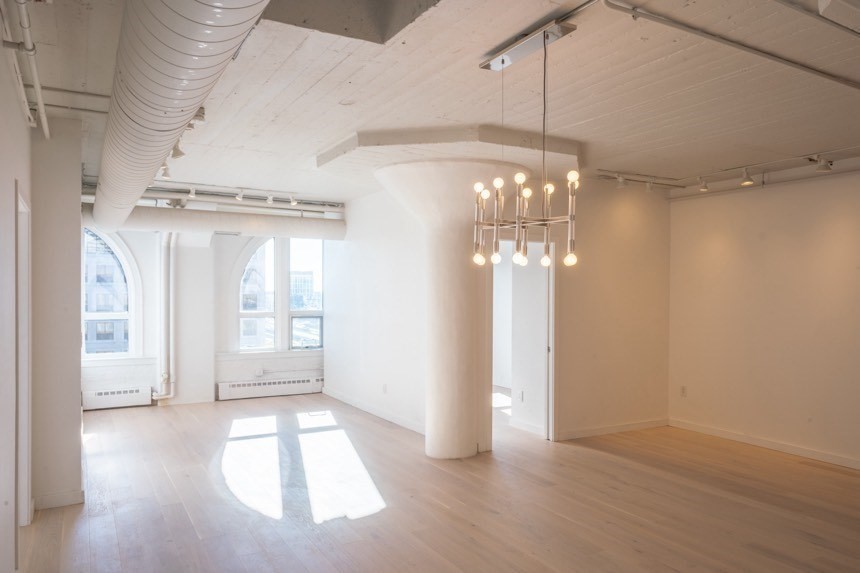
(522, 220)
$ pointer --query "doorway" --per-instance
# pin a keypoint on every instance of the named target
(522, 341)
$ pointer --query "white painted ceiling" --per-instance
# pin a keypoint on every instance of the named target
(640, 97)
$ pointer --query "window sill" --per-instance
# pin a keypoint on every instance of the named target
(91, 362)
(274, 353)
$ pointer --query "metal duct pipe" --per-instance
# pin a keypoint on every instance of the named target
(170, 56)
(193, 221)
(29, 48)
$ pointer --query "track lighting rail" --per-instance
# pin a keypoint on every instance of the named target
(659, 19)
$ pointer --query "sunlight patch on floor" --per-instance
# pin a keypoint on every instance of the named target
(500, 400)
(311, 420)
(251, 465)
(338, 483)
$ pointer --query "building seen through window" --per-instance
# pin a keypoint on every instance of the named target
(263, 324)
(104, 312)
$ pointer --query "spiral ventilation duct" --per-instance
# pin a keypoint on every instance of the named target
(170, 56)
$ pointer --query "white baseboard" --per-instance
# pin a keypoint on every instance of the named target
(765, 443)
(61, 499)
(378, 412)
(531, 428)
(562, 435)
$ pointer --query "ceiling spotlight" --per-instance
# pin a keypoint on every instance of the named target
(176, 153)
(270, 199)
(747, 181)
(192, 193)
(703, 185)
(293, 201)
(824, 166)
(165, 170)
(622, 183)
(240, 195)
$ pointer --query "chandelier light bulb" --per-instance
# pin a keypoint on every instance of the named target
(498, 182)
(496, 258)
(479, 259)
(517, 258)
(549, 188)
(485, 193)
(576, 184)
(569, 260)
(520, 178)
(527, 193)
(524, 260)
(478, 187)
(573, 175)
(545, 261)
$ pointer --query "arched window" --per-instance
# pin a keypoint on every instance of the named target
(257, 299)
(280, 296)
(104, 298)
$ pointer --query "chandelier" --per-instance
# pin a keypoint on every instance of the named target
(523, 220)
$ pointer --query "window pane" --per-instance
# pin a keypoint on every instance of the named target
(258, 281)
(105, 286)
(257, 332)
(306, 332)
(104, 336)
(306, 274)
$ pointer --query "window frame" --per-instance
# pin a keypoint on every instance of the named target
(132, 315)
(283, 314)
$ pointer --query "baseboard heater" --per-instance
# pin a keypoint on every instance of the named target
(116, 398)
(264, 388)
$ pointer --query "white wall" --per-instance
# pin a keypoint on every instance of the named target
(765, 316)
(611, 319)
(529, 308)
(14, 165)
(375, 312)
(56, 296)
(503, 316)
(195, 324)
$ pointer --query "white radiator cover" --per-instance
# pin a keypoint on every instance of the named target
(116, 398)
(290, 385)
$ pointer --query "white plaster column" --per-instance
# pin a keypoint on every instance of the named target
(459, 325)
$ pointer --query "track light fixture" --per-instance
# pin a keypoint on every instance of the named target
(747, 181)
(177, 152)
(192, 193)
(703, 185)
(293, 201)
(622, 182)
(824, 166)
(269, 199)
(165, 170)
(240, 195)
(649, 185)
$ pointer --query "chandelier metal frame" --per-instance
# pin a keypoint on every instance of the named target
(523, 221)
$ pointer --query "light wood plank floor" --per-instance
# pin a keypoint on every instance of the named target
(159, 499)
